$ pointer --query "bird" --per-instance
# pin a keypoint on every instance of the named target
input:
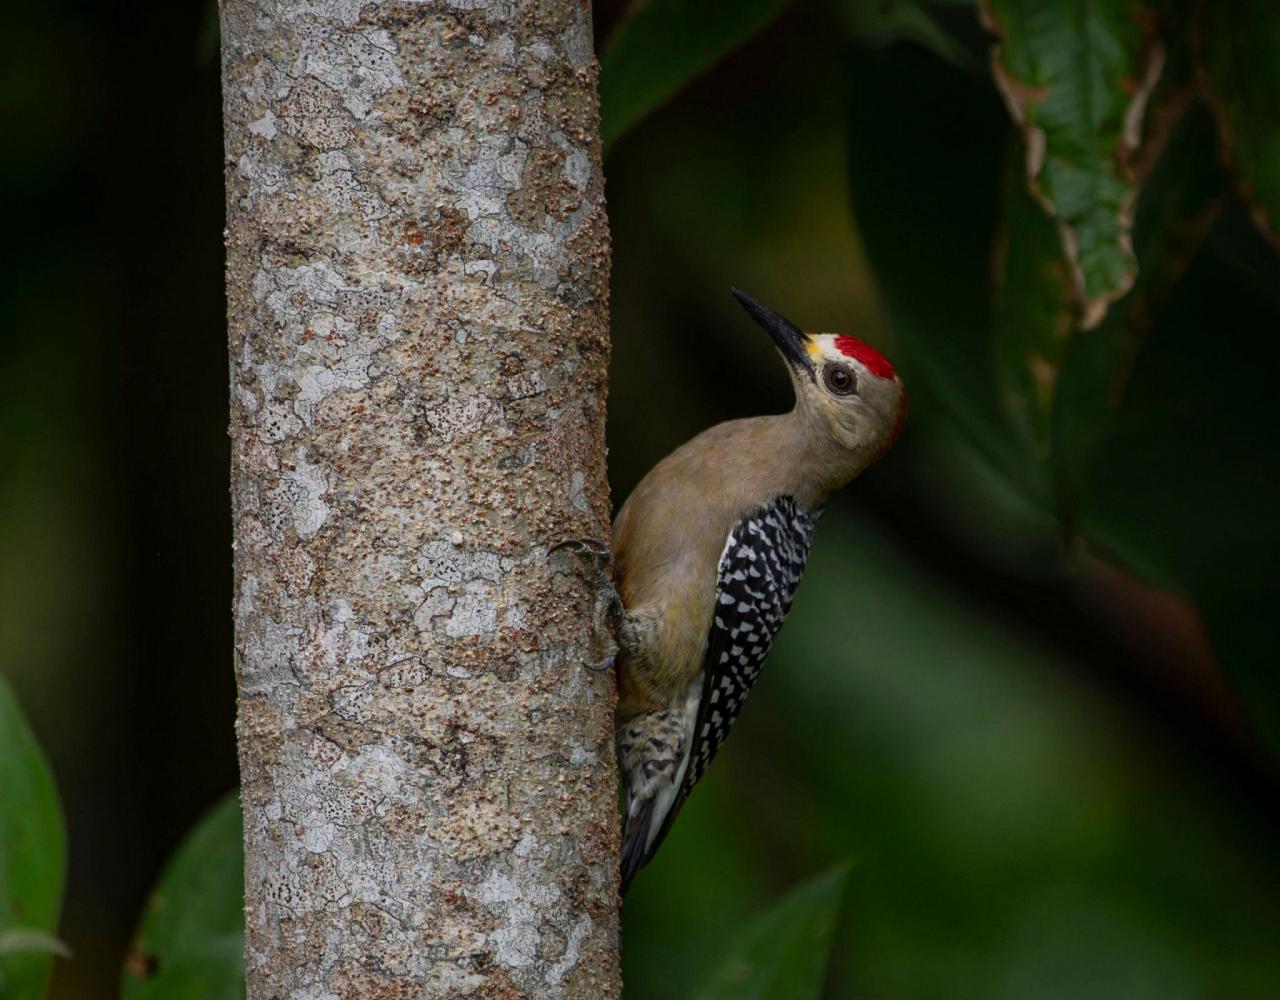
(707, 553)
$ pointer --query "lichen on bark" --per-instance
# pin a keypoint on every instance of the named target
(417, 268)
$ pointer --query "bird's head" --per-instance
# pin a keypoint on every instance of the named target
(846, 390)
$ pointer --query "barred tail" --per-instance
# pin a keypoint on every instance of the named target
(653, 752)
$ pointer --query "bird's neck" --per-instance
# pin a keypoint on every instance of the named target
(819, 462)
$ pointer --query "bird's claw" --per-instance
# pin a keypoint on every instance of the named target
(600, 666)
(591, 548)
(605, 603)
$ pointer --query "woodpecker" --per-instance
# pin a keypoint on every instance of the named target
(707, 554)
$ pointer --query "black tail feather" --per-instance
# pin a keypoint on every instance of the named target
(634, 854)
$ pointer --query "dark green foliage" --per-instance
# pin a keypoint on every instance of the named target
(190, 943)
(927, 158)
(782, 955)
(1239, 40)
(32, 858)
(1173, 213)
(664, 44)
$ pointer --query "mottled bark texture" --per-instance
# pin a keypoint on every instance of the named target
(417, 282)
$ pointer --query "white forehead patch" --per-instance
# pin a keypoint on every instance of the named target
(842, 347)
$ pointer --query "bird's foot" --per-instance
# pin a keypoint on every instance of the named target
(606, 605)
(585, 548)
(601, 665)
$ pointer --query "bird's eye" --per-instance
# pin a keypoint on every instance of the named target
(839, 380)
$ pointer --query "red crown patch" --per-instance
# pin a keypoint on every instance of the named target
(875, 362)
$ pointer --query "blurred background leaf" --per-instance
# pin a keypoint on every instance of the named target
(1173, 214)
(32, 858)
(190, 944)
(660, 45)
(782, 954)
(880, 23)
(1033, 316)
(1239, 40)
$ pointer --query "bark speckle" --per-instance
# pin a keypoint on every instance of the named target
(417, 283)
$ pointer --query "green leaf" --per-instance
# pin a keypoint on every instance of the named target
(783, 955)
(1240, 42)
(32, 856)
(1184, 488)
(885, 22)
(661, 45)
(1174, 211)
(190, 944)
(1076, 75)
(1033, 313)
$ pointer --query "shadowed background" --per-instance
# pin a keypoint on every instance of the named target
(1049, 755)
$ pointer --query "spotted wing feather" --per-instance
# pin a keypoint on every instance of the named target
(760, 568)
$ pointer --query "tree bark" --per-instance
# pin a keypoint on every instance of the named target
(417, 281)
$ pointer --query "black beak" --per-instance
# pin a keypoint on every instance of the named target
(790, 339)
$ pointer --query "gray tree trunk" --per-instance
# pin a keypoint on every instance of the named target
(417, 280)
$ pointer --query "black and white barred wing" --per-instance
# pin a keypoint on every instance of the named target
(760, 569)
